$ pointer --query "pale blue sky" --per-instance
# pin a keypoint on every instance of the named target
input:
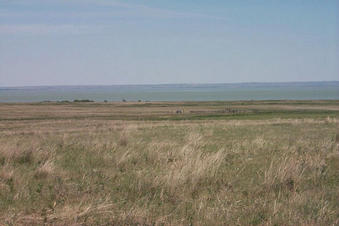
(104, 42)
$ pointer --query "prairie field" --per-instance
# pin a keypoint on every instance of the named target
(170, 163)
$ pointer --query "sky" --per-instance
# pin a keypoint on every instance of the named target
(108, 42)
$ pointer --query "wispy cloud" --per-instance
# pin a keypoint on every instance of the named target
(155, 12)
(79, 16)
(97, 8)
(40, 29)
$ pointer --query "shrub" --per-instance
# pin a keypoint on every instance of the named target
(84, 100)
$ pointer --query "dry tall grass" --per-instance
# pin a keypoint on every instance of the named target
(263, 172)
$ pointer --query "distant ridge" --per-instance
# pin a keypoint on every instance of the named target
(192, 85)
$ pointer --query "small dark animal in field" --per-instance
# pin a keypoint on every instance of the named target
(179, 111)
(84, 100)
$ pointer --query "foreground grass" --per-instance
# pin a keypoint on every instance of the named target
(205, 172)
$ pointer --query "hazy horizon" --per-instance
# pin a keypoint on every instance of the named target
(191, 84)
(98, 42)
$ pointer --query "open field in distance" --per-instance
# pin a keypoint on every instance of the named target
(170, 163)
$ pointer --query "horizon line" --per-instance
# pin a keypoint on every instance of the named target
(159, 84)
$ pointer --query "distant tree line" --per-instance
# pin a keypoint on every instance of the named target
(84, 100)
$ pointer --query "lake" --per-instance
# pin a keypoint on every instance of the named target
(176, 92)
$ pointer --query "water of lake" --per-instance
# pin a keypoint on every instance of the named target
(175, 92)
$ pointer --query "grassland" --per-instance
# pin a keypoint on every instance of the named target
(217, 163)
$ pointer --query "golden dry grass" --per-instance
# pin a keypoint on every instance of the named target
(90, 171)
